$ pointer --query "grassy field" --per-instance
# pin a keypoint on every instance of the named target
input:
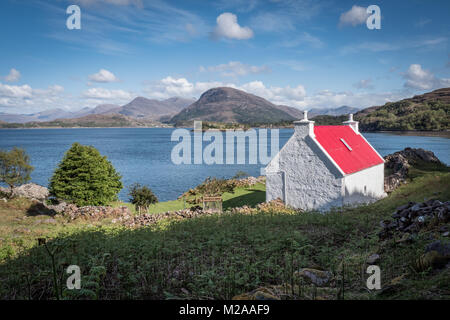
(220, 256)
(250, 196)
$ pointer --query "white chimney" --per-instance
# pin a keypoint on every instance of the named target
(304, 127)
(352, 123)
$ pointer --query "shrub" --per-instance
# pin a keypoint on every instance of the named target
(85, 177)
(141, 196)
(15, 168)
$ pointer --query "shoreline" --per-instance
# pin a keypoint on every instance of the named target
(445, 134)
(441, 134)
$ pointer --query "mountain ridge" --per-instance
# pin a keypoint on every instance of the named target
(139, 107)
(224, 104)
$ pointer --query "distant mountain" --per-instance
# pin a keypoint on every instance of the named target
(101, 109)
(427, 112)
(332, 111)
(138, 108)
(46, 115)
(92, 120)
(153, 109)
(230, 105)
(179, 103)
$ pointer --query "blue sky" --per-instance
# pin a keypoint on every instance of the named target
(301, 53)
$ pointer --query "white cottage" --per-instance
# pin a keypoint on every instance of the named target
(321, 167)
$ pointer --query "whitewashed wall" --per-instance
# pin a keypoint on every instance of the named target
(364, 186)
(311, 181)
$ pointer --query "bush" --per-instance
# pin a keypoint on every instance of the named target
(15, 168)
(85, 177)
(141, 196)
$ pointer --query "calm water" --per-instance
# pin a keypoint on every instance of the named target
(144, 155)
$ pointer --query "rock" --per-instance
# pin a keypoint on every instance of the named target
(400, 162)
(318, 277)
(412, 217)
(446, 234)
(373, 258)
(51, 220)
(443, 248)
(22, 230)
(95, 212)
(31, 191)
(406, 238)
(437, 255)
(59, 208)
(385, 223)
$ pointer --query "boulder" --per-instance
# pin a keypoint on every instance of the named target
(373, 258)
(317, 277)
(399, 163)
(436, 256)
(31, 191)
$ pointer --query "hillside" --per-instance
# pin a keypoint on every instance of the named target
(89, 121)
(234, 106)
(426, 112)
(225, 255)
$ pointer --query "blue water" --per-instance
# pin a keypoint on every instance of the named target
(143, 155)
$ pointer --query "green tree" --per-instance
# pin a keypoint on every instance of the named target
(15, 168)
(85, 177)
(141, 196)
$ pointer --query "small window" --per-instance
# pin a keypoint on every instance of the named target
(346, 144)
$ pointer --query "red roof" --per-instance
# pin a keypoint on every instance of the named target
(348, 149)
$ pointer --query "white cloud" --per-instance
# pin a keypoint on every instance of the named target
(278, 95)
(106, 94)
(331, 99)
(295, 96)
(364, 84)
(179, 87)
(228, 27)
(103, 76)
(170, 87)
(13, 76)
(355, 16)
(25, 99)
(236, 69)
(9, 91)
(420, 79)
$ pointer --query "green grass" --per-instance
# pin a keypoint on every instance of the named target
(250, 196)
(219, 256)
